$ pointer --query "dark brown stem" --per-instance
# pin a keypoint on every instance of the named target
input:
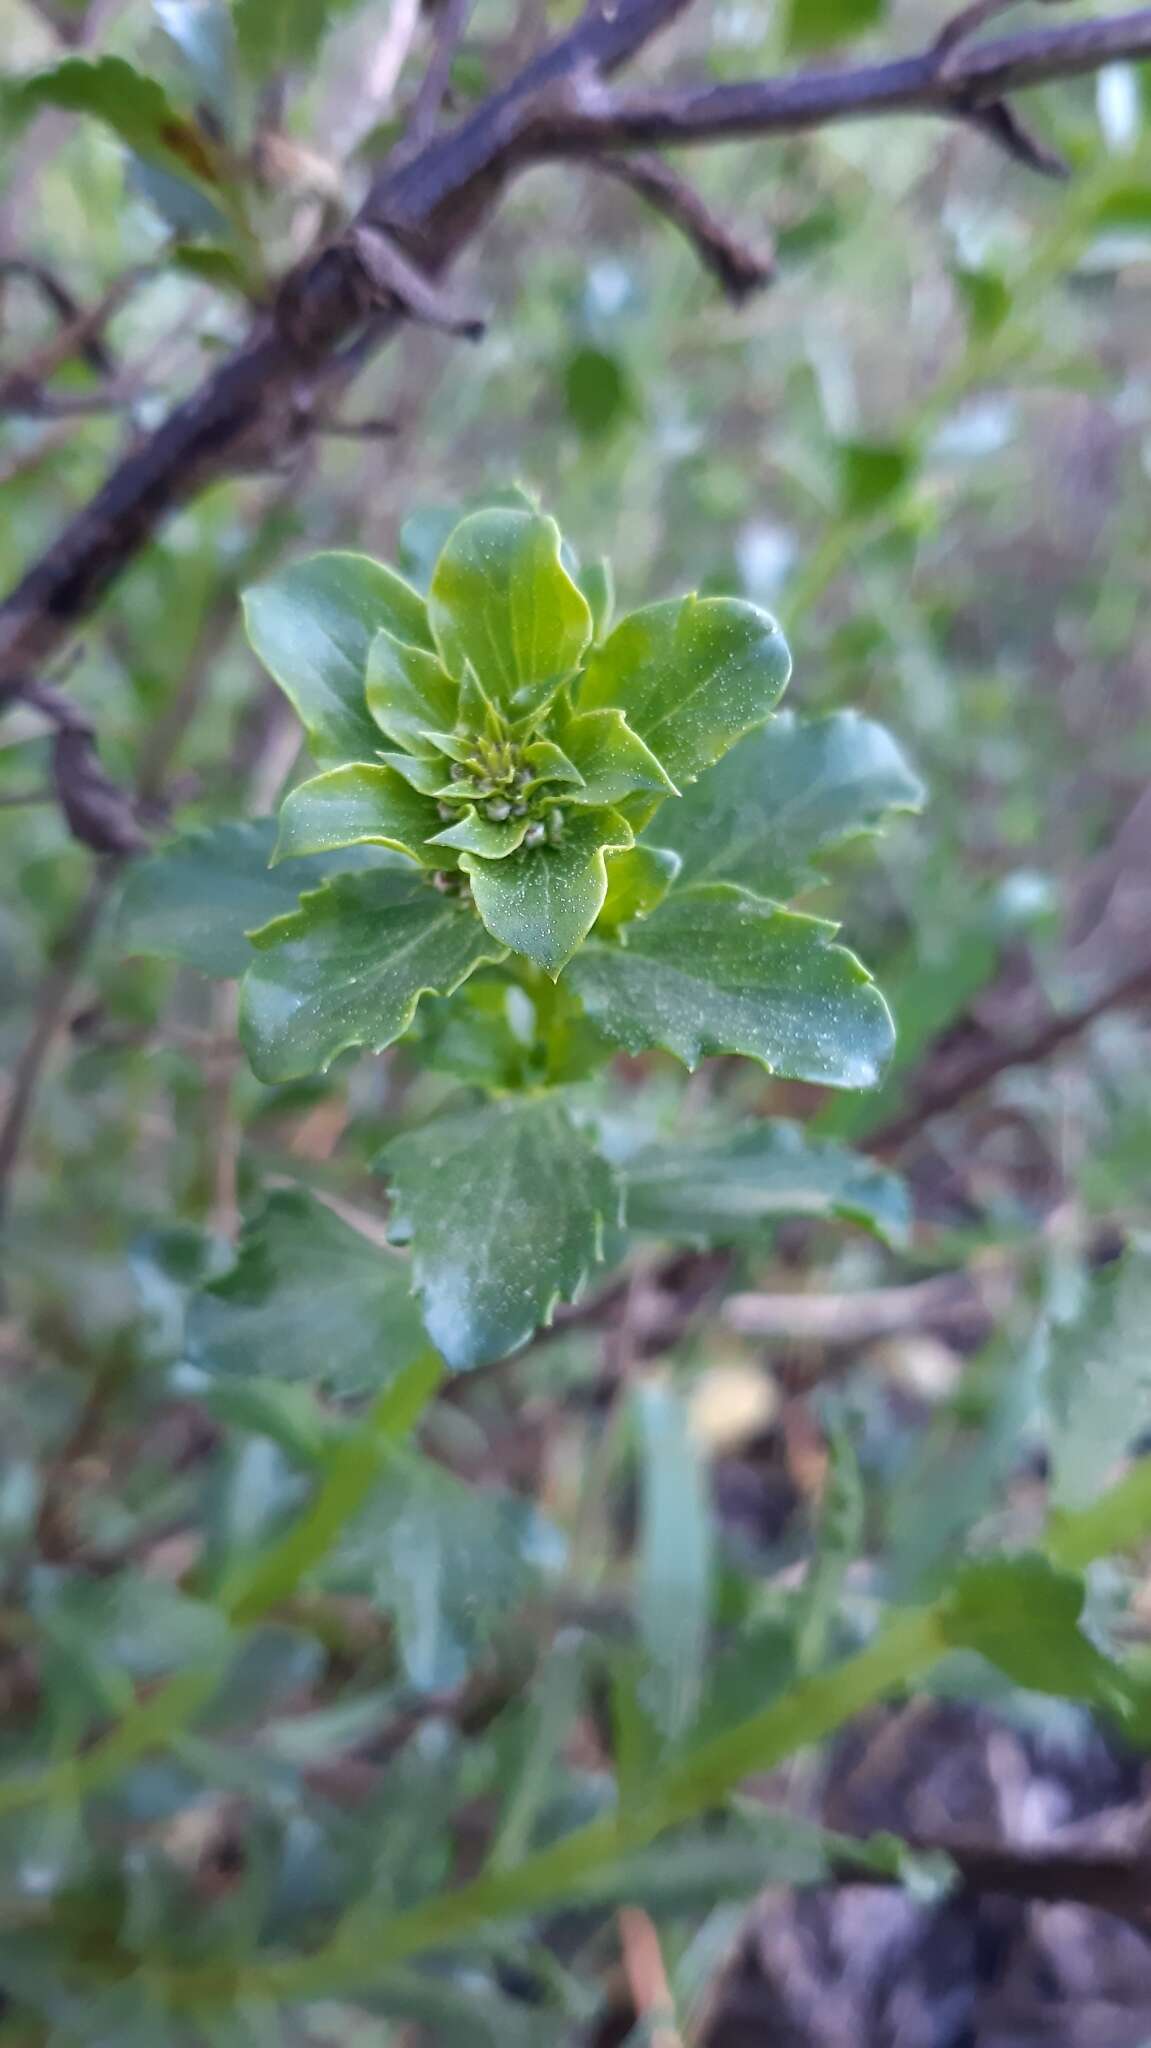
(51, 1016)
(987, 1067)
(1109, 1881)
(261, 402)
(736, 263)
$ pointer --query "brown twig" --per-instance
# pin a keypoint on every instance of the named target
(80, 333)
(986, 1067)
(72, 954)
(259, 402)
(1108, 1881)
(948, 1300)
(50, 1018)
(736, 263)
(82, 338)
(98, 813)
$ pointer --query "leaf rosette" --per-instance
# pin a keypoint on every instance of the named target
(505, 758)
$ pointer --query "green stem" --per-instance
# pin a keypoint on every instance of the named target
(366, 1945)
(352, 1470)
(158, 1720)
(150, 1725)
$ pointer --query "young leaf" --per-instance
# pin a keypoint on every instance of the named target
(543, 900)
(1099, 1381)
(786, 795)
(691, 677)
(506, 1207)
(363, 803)
(673, 1596)
(612, 761)
(308, 1299)
(313, 626)
(408, 693)
(502, 603)
(424, 772)
(349, 967)
(637, 879)
(197, 898)
(728, 1188)
(715, 970)
(473, 833)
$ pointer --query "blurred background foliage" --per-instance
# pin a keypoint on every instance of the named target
(927, 446)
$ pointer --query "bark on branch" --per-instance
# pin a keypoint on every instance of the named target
(262, 401)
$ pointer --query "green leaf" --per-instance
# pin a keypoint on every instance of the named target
(959, 1467)
(1099, 1381)
(715, 970)
(813, 24)
(598, 585)
(691, 677)
(213, 262)
(1128, 206)
(408, 693)
(349, 967)
(725, 1189)
(506, 1207)
(308, 1299)
(1119, 1520)
(424, 772)
(135, 107)
(357, 805)
(313, 627)
(134, 1625)
(871, 473)
(198, 897)
(549, 763)
(612, 761)
(597, 391)
(285, 35)
(786, 796)
(674, 1563)
(637, 879)
(543, 900)
(491, 837)
(502, 603)
(447, 1559)
(1023, 1614)
(986, 298)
